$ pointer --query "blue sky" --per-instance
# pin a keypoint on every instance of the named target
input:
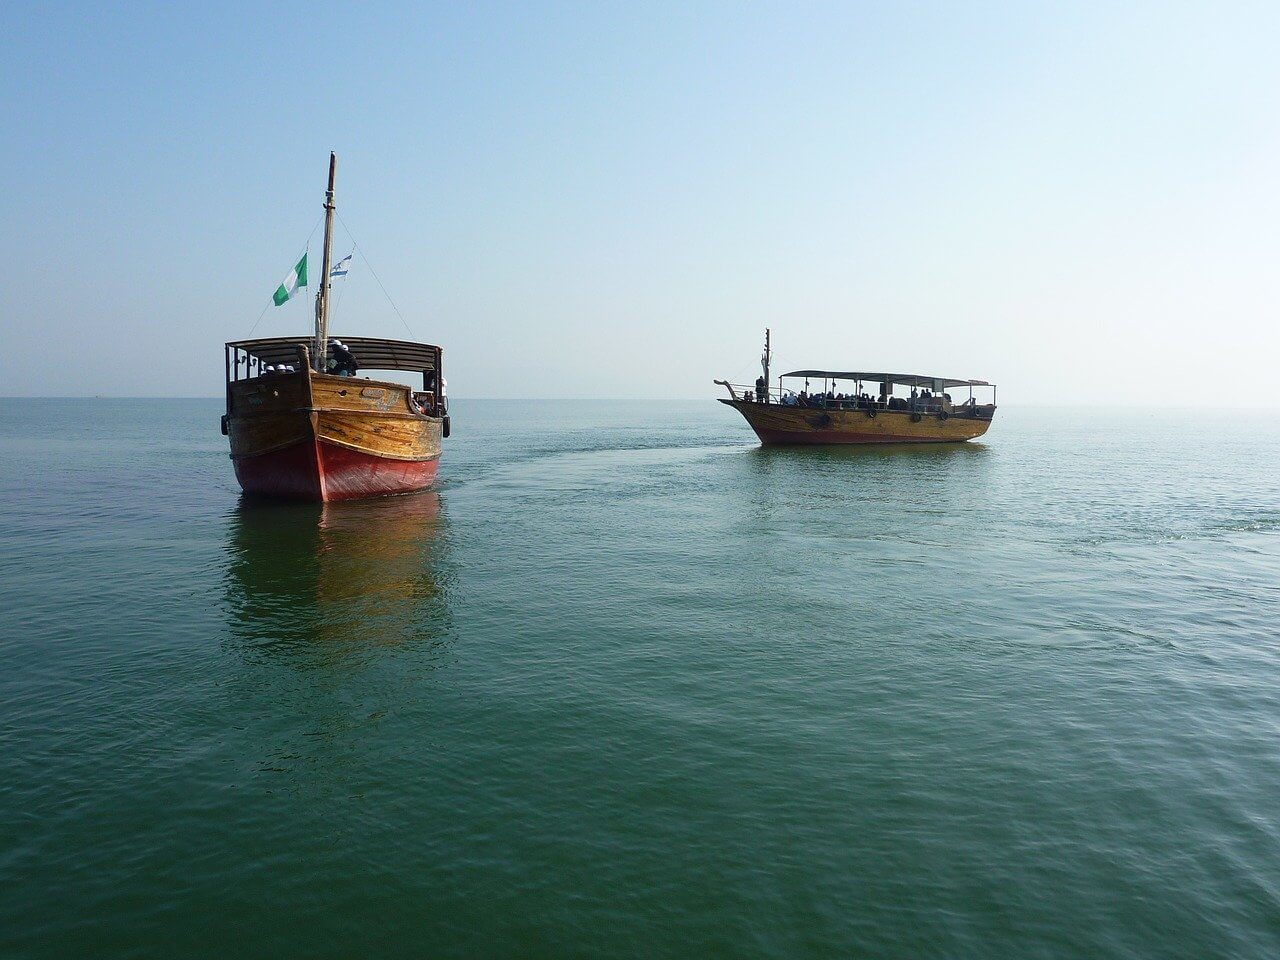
(1078, 201)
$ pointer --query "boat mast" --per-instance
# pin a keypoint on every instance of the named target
(321, 353)
(765, 362)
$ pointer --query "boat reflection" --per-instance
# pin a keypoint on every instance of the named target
(348, 575)
(877, 484)
(919, 459)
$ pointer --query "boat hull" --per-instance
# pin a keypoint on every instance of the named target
(308, 436)
(779, 424)
(318, 471)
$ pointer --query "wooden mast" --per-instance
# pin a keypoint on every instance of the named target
(321, 353)
(766, 364)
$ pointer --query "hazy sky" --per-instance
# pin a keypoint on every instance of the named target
(1078, 201)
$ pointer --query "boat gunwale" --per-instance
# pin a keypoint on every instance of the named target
(739, 404)
(365, 382)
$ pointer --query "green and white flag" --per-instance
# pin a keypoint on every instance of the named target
(297, 278)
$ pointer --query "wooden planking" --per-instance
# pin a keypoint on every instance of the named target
(272, 393)
(252, 436)
(268, 413)
(373, 417)
(277, 392)
(397, 438)
(356, 393)
(890, 424)
(349, 474)
(370, 416)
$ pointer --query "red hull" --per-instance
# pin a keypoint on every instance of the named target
(319, 471)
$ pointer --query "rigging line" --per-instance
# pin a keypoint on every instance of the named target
(360, 250)
(337, 303)
(742, 371)
(316, 226)
(259, 320)
(343, 289)
(306, 248)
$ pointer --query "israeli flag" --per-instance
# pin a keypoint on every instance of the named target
(341, 267)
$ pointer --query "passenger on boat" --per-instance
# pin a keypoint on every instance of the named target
(342, 362)
(762, 390)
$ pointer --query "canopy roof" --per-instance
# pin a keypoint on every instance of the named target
(370, 352)
(902, 379)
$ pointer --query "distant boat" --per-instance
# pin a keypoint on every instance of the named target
(860, 407)
(300, 429)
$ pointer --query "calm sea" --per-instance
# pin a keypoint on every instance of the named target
(630, 686)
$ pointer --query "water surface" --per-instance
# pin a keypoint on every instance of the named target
(629, 685)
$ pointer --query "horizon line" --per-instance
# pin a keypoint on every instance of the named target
(583, 399)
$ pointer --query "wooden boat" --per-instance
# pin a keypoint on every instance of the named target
(300, 430)
(858, 415)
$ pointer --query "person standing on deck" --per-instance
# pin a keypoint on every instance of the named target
(342, 362)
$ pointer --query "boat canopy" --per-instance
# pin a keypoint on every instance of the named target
(901, 379)
(370, 352)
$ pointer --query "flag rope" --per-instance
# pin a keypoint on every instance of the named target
(337, 303)
(306, 249)
(360, 250)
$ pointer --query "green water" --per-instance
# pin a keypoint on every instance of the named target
(630, 686)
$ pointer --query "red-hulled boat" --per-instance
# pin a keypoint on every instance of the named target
(302, 424)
